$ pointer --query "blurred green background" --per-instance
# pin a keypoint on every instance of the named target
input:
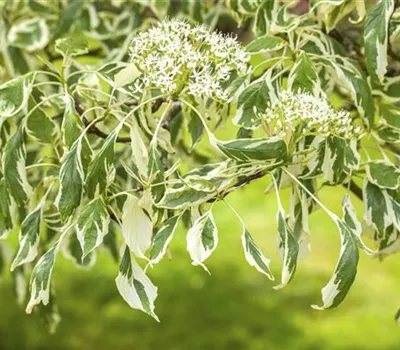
(234, 308)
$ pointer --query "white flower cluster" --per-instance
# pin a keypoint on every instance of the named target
(177, 58)
(308, 114)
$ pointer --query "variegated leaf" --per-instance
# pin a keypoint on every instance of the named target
(253, 149)
(202, 239)
(183, 197)
(14, 168)
(71, 180)
(137, 227)
(14, 95)
(101, 170)
(266, 43)
(32, 34)
(135, 287)
(378, 212)
(162, 239)
(254, 256)
(92, 225)
(383, 174)
(139, 151)
(345, 272)
(41, 279)
(376, 38)
(288, 247)
(29, 237)
(254, 98)
(5, 215)
(303, 76)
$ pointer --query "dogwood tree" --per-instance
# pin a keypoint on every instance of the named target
(118, 153)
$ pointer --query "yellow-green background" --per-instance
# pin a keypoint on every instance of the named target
(234, 308)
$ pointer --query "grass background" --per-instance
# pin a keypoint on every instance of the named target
(234, 308)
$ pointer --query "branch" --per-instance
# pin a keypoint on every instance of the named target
(241, 183)
(353, 187)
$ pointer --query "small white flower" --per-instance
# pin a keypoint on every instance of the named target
(308, 114)
(176, 57)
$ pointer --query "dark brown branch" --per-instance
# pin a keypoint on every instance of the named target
(241, 183)
(353, 187)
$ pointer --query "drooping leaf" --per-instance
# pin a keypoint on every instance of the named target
(92, 225)
(376, 38)
(137, 227)
(254, 256)
(202, 239)
(383, 174)
(345, 272)
(341, 158)
(135, 287)
(14, 171)
(289, 248)
(5, 215)
(29, 237)
(378, 210)
(39, 125)
(139, 151)
(71, 181)
(41, 279)
(101, 171)
(156, 172)
(162, 239)
(253, 149)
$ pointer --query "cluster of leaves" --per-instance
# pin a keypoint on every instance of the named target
(90, 162)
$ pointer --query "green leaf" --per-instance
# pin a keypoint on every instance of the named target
(72, 126)
(376, 38)
(359, 90)
(39, 125)
(69, 47)
(254, 149)
(68, 16)
(266, 43)
(378, 209)
(196, 128)
(137, 227)
(31, 35)
(71, 181)
(156, 173)
(340, 160)
(14, 168)
(289, 248)
(254, 256)
(41, 279)
(345, 272)
(101, 170)
(29, 237)
(92, 225)
(5, 215)
(14, 95)
(303, 76)
(183, 197)
(383, 174)
(126, 75)
(202, 239)
(254, 98)
(135, 287)
(162, 239)
(264, 17)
